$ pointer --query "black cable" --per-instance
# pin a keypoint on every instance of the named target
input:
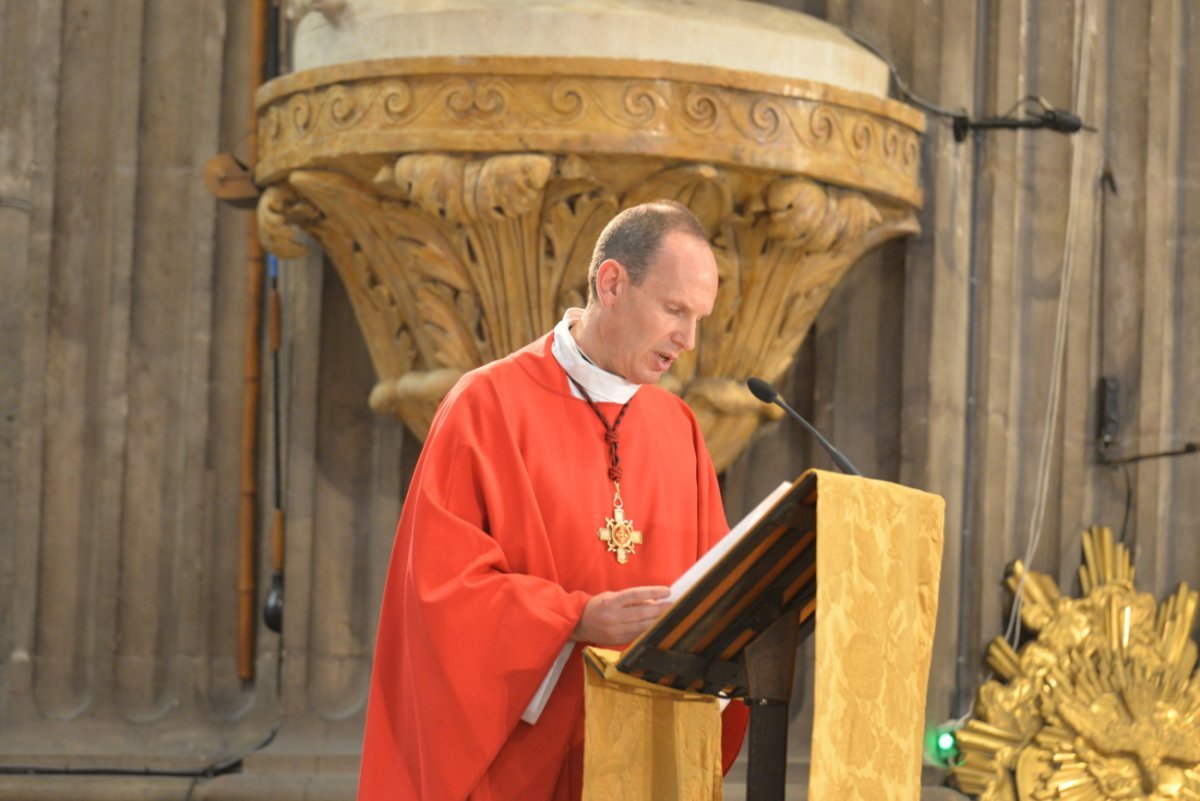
(1124, 461)
(1046, 117)
(1128, 502)
(967, 673)
(902, 87)
(272, 55)
(1184, 450)
(277, 461)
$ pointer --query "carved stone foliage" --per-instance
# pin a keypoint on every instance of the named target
(452, 261)
(781, 249)
(465, 260)
(461, 208)
(1104, 704)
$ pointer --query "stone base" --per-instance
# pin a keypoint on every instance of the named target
(796, 787)
(281, 777)
(231, 787)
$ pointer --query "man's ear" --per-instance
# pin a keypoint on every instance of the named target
(611, 280)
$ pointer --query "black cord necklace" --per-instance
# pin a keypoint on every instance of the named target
(617, 532)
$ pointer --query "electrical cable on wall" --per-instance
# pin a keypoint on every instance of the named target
(1036, 112)
(1084, 27)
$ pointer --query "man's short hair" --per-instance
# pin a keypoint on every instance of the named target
(634, 237)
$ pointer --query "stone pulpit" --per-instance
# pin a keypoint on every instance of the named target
(456, 160)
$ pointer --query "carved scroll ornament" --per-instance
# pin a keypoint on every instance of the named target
(1104, 704)
(665, 111)
(452, 259)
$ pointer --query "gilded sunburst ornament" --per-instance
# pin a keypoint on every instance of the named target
(1102, 705)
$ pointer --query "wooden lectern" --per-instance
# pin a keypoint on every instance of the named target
(735, 632)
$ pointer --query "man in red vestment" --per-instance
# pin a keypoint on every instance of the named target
(507, 550)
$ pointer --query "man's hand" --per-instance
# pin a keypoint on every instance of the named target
(617, 618)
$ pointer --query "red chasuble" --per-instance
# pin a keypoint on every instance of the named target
(496, 555)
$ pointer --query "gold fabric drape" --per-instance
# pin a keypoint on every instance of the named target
(879, 556)
(643, 741)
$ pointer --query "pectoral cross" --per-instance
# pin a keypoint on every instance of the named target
(619, 533)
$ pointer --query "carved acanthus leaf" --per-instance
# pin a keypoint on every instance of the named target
(815, 218)
(454, 260)
(510, 186)
(416, 388)
(278, 208)
(701, 187)
(575, 211)
(465, 190)
(730, 397)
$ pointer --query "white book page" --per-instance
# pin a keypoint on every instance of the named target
(693, 573)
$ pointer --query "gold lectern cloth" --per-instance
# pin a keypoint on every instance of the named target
(879, 556)
(643, 742)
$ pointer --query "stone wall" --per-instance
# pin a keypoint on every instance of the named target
(121, 300)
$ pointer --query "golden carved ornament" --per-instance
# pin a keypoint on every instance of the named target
(461, 210)
(1104, 704)
(588, 106)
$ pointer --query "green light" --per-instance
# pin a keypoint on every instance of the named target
(941, 744)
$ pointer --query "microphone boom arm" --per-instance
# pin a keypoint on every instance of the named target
(767, 394)
(841, 461)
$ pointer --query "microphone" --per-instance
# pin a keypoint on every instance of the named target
(767, 394)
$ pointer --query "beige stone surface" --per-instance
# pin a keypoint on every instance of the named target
(121, 295)
(729, 34)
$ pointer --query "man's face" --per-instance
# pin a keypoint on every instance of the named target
(655, 320)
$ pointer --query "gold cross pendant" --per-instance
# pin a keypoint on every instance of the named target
(618, 532)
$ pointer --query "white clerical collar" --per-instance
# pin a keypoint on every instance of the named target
(601, 385)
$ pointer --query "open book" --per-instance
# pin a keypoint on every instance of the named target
(678, 588)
